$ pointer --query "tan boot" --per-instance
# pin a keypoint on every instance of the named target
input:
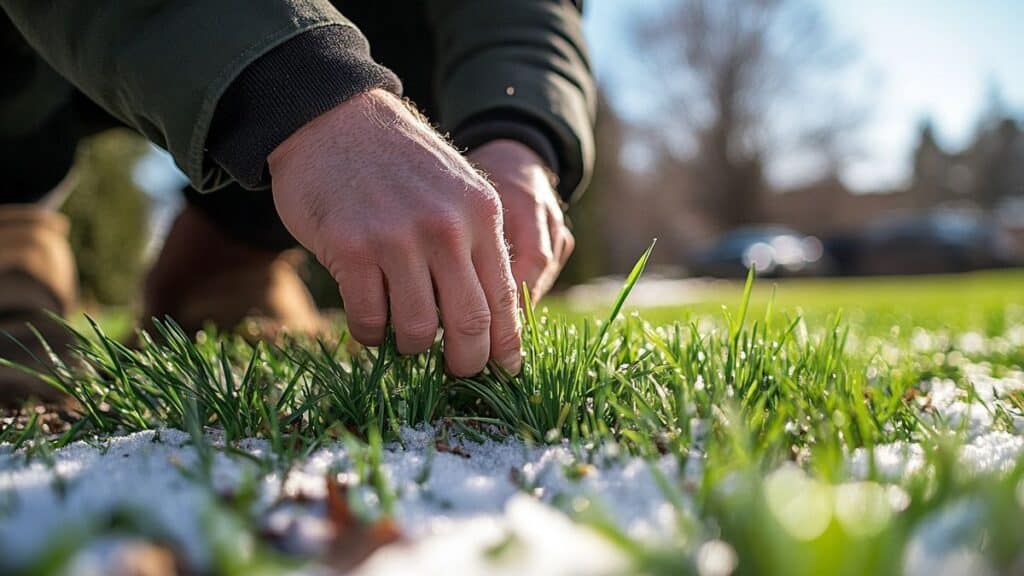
(37, 274)
(203, 276)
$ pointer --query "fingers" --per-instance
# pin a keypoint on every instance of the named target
(413, 308)
(555, 226)
(557, 234)
(366, 308)
(556, 245)
(569, 247)
(531, 246)
(491, 261)
(385, 218)
(465, 313)
(562, 240)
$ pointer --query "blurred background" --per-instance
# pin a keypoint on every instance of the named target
(796, 137)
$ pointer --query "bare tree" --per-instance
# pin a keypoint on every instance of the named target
(737, 78)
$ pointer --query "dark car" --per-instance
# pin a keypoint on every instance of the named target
(773, 251)
(932, 242)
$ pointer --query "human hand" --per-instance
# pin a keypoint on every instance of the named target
(534, 226)
(399, 217)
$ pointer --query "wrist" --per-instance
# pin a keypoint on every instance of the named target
(285, 89)
(505, 158)
(511, 150)
(505, 125)
(343, 113)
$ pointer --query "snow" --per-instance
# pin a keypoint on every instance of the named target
(947, 406)
(504, 509)
(947, 544)
(87, 483)
(535, 538)
(465, 508)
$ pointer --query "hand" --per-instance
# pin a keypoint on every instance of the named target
(534, 226)
(398, 216)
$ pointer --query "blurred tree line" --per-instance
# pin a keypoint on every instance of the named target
(731, 81)
(740, 87)
(738, 78)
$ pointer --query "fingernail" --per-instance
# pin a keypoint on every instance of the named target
(512, 362)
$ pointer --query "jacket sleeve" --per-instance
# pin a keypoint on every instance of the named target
(162, 67)
(503, 63)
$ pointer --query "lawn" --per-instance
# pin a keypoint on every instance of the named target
(869, 426)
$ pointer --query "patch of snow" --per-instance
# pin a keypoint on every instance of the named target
(988, 452)
(499, 507)
(947, 544)
(526, 537)
(447, 501)
(138, 474)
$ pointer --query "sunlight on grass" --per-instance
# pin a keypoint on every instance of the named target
(762, 408)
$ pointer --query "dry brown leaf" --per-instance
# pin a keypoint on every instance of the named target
(144, 559)
(354, 539)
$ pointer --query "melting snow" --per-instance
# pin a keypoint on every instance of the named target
(499, 511)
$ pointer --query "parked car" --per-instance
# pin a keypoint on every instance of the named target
(774, 251)
(930, 242)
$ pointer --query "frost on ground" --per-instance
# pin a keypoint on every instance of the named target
(470, 508)
(485, 508)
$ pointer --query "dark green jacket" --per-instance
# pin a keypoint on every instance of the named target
(163, 67)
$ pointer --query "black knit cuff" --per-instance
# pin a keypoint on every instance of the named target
(508, 125)
(286, 88)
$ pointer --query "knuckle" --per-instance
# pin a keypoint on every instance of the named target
(570, 243)
(535, 261)
(367, 321)
(352, 249)
(507, 300)
(447, 228)
(418, 334)
(510, 340)
(487, 203)
(394, 239)
(473, 323)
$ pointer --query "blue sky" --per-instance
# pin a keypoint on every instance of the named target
(937, 58)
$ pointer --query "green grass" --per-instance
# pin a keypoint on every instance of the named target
(974, 301)
(772, 394)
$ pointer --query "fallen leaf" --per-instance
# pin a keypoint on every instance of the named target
(147, 560)
(354, 538)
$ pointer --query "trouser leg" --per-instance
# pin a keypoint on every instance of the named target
(37, 272)
(37, 128)
(42, 119)
(35, 164)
